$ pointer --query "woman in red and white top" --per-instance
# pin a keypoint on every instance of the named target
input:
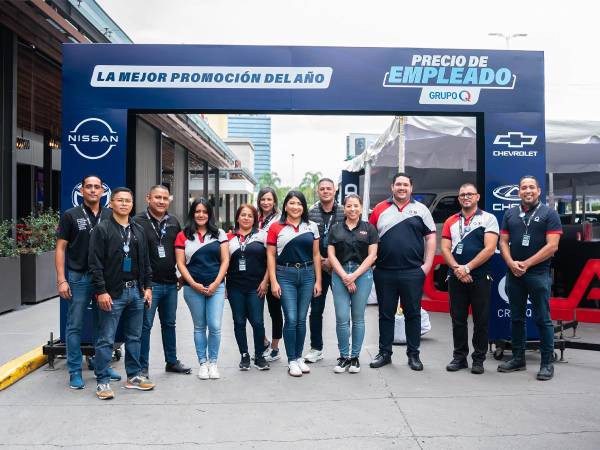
(202, 255)
(294, 264)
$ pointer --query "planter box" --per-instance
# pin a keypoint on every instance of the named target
(38, 277)
(10, 279)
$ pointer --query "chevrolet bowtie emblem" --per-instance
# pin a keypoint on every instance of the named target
(514, 139)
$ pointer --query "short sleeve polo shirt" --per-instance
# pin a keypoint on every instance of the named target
(264, 223)
(401, 231)
(202, 255)
(542, 221)
(255, 255)
(294, 244)
(352, 245)
(469, 232)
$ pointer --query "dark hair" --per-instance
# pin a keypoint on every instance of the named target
(464, 185)
(116, 190)
(262, 193)
(349, 196)
(239, 211)
(537, 183)
(402, 174)
(159, 186)
(300, 196)
(191, 228)
(325, 180)
(90, 175)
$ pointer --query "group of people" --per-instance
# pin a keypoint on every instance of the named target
(290, 258)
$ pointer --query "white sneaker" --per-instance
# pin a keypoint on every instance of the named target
(294, 369)
(213, 372)
(303, 366)
(313, 356)
(203, 372)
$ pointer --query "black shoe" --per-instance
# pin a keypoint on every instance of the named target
(457, 364)
(354, 365)
(414, 362)
(512, 365)
(245, 362)
(546, 372)
(261, 363)
(477, 367)
(177, 367)
(382, 359)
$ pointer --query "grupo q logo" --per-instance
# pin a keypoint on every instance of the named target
(77, 198)
(93, 138)
(508, 193)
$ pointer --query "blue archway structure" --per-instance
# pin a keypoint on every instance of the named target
(102, 83)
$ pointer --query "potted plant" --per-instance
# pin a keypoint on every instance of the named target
(36, 240)
(10, 270)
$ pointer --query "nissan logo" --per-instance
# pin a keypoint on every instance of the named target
(93, 138)
(508, 193)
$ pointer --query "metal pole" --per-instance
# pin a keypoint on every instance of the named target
(551, 190)
(401, 143)
(366, 191)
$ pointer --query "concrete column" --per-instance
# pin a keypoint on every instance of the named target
(8, 124)
(147, 161)
(205, 181)
(217, 196)
(228, 217)
(179, 190)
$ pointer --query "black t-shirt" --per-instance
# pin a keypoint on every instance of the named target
(163, 233)
(541, 220)
(75, 227)
(126, 233)
(352, 245)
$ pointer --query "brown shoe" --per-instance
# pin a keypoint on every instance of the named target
(104, 392)
(139, 382)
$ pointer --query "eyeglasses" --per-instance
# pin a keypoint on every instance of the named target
(125, 201)
(468, 195)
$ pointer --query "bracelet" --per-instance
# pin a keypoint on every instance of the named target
(61, 282)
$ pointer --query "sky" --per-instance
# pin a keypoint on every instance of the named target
(567, 32)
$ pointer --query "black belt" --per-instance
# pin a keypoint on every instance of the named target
(131, 283)
(297, 265)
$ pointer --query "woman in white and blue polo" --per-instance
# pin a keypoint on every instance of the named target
(294, 264)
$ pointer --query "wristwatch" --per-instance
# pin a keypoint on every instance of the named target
(467, 270)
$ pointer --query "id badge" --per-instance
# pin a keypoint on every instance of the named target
(459, 248)
(127, 264)
(161, 251)
(525, 241)
(242, 264)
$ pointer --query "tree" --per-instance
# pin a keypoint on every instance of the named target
(269, 179)
(308, 186)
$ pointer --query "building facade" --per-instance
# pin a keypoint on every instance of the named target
(256, 128)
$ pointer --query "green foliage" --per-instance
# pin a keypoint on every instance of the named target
(308, 186)
(37, 233)
(8, 245)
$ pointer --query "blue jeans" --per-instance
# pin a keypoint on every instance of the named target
(206, 311)
(247, 305)
(164, 298)
(81, 290)
(296, 292)
(537, 287)
(130, 309)
(347, 304)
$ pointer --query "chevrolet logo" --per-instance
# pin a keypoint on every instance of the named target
(514, 139)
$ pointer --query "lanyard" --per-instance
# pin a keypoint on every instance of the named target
(126, 237)
(328, 225)
(245, 241)
(163, 230)
(268, 219)
(522, 215)
(87, 218)
(462, 222)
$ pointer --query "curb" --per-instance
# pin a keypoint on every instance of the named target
(14, 370)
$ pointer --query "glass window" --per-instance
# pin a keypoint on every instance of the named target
(445, 208)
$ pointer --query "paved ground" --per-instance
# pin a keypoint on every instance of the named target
(392, 407)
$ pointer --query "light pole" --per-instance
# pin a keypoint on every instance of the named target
(292, 170)
(507, 37)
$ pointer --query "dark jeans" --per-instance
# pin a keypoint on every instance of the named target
(81, 290)
(317, 306)
(247, 306)
(129, 307)
(477, 296)
(276, 314)
(408, 285)
(164, 298)
(537, 287)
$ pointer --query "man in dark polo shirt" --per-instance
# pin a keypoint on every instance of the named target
(161, 230)
(122, 281)
(529, 236)
(325, 213)
(469, 240)
(74, 286)
(404, 256)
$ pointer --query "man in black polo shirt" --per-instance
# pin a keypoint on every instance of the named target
(469, 240)
(529, 236)
(325, 213)
(121, 274)
(75, 286)
(161, 230)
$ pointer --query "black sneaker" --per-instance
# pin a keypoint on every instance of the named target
(245, 362)
(546, 372)
(477, 367)
(261, 363)
(177, 367)
(457, 364)
(380, 360)
(512, 365)
(354, 365)
(343, 364)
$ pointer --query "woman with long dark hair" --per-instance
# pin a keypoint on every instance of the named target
(268, 214)
(202, 255)
(294, 264)
(247, 283)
